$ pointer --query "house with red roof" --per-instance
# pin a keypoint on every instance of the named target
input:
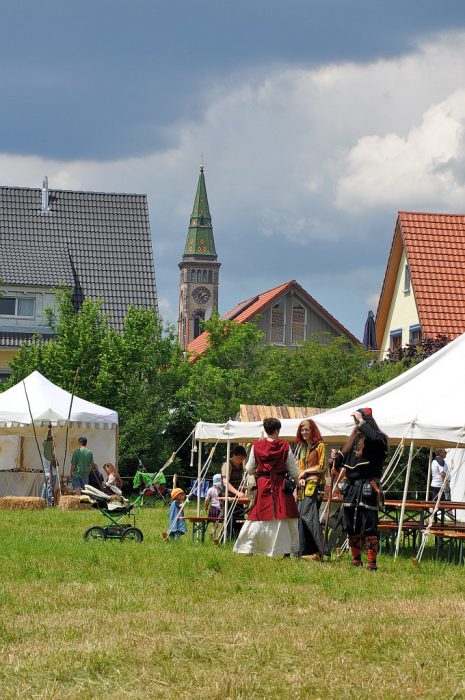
(423, 292)
(287, 315)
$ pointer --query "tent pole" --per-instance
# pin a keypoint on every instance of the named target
(199, 472)
(404, 499)
(430, 461)
(117, 449)
(226, 495)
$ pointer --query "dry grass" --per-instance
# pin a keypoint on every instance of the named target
(185, 620)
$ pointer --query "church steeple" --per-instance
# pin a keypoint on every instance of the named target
(200, 239)
(199, 281)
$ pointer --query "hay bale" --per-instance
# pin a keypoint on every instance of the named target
(22, 503)
(72, 503)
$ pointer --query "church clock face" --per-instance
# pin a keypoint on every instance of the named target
(201, 295)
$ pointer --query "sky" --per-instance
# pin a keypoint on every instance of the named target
(317, 121)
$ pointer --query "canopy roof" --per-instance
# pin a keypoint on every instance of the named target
(49, 404)
(426, 403)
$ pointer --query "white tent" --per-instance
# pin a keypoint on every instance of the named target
(426, 403)
(48, 404)
(424, 406)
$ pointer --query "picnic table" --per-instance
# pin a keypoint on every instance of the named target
(200, 524)
(415, 515)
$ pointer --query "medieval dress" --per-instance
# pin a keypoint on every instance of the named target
(311, 457)
(272, 524)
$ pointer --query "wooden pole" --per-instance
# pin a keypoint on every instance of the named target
(226, 495)
(199, 472)
(430, 461)
(404, 499)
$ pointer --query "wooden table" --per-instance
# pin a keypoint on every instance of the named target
(200, 524)
(415, 515)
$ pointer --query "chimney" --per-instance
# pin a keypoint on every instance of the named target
(45, 206)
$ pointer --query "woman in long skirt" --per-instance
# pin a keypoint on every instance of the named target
(312, 469)
(271, 527)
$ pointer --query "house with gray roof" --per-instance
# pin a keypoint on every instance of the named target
(97, 244)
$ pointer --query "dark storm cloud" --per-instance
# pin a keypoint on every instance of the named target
(110, 78)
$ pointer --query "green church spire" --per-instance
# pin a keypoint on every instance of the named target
(200, 241)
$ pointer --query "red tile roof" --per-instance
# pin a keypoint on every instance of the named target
(435, 249)
(246, 310)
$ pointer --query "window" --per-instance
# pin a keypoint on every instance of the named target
(193, 276)
(210, 276)
(198, 316)
(204, 276)
(4, 376)
(396, 340)
(277, 324)
(298, 323)
(415, 335)
(7, 306)
(199, 275)
(25, 307)
(10, 306)
(407, 279)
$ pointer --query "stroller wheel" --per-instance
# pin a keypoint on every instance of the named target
(132, 534)
(95, 533)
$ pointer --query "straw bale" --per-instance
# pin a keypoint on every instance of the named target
(72, 503)
(22, 503)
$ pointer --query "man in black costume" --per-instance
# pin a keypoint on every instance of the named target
(362, 457)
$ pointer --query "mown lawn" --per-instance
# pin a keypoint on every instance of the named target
(186, 620)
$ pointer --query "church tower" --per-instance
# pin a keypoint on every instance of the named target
(198, 286)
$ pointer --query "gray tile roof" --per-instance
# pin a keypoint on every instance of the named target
(97, 243)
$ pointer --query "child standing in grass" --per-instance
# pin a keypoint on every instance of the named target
(212, 501)
(177, 526)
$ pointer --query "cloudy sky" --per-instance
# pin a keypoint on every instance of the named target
(317, 120)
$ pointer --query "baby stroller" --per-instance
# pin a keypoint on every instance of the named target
(114, 508)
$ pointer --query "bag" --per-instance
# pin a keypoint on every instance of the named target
(310, 487)
(289, 485)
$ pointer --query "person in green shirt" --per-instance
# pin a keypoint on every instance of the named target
(81, 461)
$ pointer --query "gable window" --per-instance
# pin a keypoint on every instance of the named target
(277, 324)
(298, 323)
(11, 306)
(395, 340)
(407, 279)
(415, 335)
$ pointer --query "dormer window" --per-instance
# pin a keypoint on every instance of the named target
(11, 306)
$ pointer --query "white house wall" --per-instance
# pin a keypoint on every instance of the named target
(403, 312)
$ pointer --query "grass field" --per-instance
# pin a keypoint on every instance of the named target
(186, 620)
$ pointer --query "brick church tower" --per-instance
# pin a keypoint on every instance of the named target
(198, 285)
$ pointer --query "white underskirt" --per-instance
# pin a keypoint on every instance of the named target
(270, 537)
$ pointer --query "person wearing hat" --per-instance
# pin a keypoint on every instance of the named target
(362, 456)
(177, 526)
(212, 501)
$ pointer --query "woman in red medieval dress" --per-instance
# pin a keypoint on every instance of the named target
(272, 524)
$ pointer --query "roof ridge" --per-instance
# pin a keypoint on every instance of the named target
(56, 189)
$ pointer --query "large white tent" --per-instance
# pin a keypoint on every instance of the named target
(48, 404)
(426, 403)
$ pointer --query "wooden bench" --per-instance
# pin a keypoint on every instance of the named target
(390, 528)
(453, 539)
(200, 524)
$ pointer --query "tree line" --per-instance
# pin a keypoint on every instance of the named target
(160, 395)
